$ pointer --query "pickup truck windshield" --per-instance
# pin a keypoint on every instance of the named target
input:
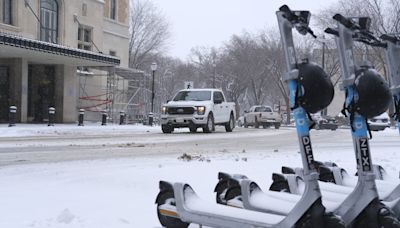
(193, 96)
(262, 109)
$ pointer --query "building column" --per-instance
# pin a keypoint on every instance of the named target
(66, 94)
(19, 88)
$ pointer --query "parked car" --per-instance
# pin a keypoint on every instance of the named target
(379, 123)
(198, 108)
(260, 115)
(324, 122)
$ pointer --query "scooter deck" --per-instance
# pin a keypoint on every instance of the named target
(191, 208)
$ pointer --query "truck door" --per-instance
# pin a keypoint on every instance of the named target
(218, 107)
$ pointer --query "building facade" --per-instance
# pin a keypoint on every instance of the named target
(44, 44)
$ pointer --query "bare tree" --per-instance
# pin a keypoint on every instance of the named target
(149, 33)
(205, 59)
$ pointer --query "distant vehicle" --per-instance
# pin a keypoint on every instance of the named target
(284, 118)
(379, 123)
(260, 115)
(198, 108)
(326, 122)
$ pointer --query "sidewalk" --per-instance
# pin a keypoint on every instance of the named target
(90, 128)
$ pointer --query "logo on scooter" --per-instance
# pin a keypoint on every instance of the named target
(308, 150)
(365, 155)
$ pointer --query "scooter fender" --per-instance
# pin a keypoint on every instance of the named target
(164, 186)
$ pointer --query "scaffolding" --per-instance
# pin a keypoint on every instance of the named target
(114, 89)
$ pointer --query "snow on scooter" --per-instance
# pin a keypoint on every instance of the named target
(178, 205)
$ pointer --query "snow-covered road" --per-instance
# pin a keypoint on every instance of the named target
(102, 177)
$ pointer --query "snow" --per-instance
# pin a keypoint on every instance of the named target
(196, 204)
(119, 191)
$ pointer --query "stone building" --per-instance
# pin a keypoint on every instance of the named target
(46, 44)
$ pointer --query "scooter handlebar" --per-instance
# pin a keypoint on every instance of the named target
(372, 43)
(390, 38)
(331, 31)
(285, 9)
(348, 23)
(299, 19)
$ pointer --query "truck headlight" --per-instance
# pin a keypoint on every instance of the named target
(201, 110)
(164, 110)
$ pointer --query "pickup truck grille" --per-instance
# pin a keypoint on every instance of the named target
(180, 110)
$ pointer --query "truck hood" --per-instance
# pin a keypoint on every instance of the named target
(187, 103)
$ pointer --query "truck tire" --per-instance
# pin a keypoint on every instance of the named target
(167, 129)
(230, 125)
(193, 129)
(277, 125)
(209, 127)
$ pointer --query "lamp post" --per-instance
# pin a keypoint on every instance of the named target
(215, 72)
(153, 69)
(323, 41)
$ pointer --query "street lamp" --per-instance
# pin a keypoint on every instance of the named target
(153, 69)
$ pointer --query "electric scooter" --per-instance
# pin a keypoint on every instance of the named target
(360, 208)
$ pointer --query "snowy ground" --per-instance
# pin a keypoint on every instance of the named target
(102, 177)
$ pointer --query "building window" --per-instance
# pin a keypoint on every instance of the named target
(7, 12)
(48, 20)
(85, 38)
(113, 9)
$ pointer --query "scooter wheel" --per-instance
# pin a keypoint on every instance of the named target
(387, 219)
(221, 187)
(376, 215)
(332, 221)
(389, 222)
(329, 221)
(233, 192)
(166, 221)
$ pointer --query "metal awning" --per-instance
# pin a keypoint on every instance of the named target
(12, 46)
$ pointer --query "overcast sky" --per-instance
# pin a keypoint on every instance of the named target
(212, 22)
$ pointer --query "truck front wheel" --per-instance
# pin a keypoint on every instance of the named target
(167, 128)
(192, 129)
(209, 127)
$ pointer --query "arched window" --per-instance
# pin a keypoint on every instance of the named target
(113, 9)
(7, 12)
(49, 20)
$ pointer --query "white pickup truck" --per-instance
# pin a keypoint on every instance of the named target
(262, 116)
(198, 108)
